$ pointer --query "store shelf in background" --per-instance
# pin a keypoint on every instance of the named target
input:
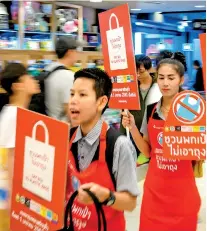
(25, 55)
(66, 34)
(37, 32)
(43, 44)
(96, 33)
(8, 39)
(89, 46)
(8, 31)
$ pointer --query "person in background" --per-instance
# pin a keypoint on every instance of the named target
(20, 87)
(167, 182)
(100, 159)
(59, 82)
(148, 93)
(163, 55)
(199, 84)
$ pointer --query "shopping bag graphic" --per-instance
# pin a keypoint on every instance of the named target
(116, 46)
(38, 164)
(160, 138)
(185, 113)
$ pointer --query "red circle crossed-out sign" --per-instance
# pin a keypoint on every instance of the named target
(179, 103)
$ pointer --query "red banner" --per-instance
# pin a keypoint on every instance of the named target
(119, 61)
(40, 169)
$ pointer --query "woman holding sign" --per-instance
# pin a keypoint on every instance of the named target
(171, 200)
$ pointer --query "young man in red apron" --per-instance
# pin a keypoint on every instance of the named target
(171, 200)
(99, 159)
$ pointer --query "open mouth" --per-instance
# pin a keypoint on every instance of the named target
(75, 112)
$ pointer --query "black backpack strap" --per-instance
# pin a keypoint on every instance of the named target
(45, 74)
(149, 112)
(72, 131)
(111, 138)
(74, 148)
(56, 69)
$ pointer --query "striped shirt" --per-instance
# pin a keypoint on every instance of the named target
(124, 158)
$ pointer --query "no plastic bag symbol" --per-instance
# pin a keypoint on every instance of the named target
(188, 108)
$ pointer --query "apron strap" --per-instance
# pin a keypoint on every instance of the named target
(72, 138)
(102, 148)
(153, 111)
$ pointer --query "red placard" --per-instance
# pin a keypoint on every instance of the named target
(185, 129)
(118, 53)
(40, 169)
(203, 53)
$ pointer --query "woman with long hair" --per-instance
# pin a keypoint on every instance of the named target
(171, 200)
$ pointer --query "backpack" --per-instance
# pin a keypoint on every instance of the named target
(37, 103)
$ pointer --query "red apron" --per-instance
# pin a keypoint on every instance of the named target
(84, 216)
(171, 200)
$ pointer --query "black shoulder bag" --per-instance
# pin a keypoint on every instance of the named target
(99, 211)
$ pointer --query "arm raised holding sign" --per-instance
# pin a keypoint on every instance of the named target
(167, 179)
(141, 142)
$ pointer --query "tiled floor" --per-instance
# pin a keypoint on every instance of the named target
(133, 218)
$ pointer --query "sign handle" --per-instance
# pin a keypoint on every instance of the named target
(127, 129)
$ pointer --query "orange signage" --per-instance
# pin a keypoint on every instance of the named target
(184, 135)
(119, 61)
(39, 182)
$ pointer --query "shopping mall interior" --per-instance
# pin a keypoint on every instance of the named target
(29, 30)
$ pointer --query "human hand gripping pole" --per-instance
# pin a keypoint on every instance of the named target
(127, 129)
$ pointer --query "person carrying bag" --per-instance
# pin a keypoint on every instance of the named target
(99, 210)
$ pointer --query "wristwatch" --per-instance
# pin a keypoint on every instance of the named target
(110, 200)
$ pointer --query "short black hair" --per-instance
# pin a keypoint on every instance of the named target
(102, 85)
(143, 60)
(10, 75)
(196, 63)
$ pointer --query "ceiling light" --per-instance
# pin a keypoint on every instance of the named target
(200, 6)
(95, 0)
(139, 23)
(155, 2)
(184, 23)
(136, 9)
(161, 46)
(181, 27)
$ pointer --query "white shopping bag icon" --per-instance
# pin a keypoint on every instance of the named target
(38, 164)
(116, 46)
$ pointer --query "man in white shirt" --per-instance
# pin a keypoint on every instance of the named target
(20, 87)
(59, 83)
